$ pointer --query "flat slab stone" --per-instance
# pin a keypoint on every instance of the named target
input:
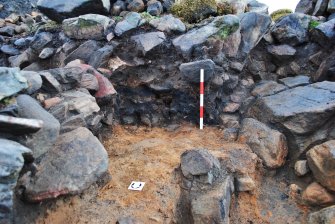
(291, 82)
(18, 126)
(302, 109)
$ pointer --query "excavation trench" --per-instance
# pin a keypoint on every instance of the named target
(152, 155)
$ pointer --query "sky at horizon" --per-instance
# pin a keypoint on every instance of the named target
(282, 4)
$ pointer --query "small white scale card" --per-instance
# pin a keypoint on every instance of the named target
(136, 186)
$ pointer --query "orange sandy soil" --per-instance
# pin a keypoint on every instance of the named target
(151, 155)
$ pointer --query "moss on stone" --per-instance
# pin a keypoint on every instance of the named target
(280, 13)
(193, 10)
(313, 24)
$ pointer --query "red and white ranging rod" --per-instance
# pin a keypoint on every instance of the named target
(202, 90)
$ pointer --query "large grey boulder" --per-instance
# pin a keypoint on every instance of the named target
(11, 82)
(305, 7)
(321, 160)
(148, 41)
(41, 141)
(305, 113)
(253, 28)
(195, 37)
(88, 27)
(282, 52)
(324, 34)
(191, 71)
(324, 216)
(62, 9)
(269, 144)
(77, 161)
(291, 82)
(11, 162)
(292, 29)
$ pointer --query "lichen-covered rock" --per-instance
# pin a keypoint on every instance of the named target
(223, 26)
(269, 144)
(11, 162)
(130, 21)
(324, 34)
(321, 160)
(292, 29)
(168, 24)
(305, 7)
(11, 82)
(77, 161)
(89, 26)
(62, 9)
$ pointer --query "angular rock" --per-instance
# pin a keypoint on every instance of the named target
(321, 160)
(50, 83)
(282, 52)
(10, 50)
(320, 7)
(238, 6)
(324, 34)
(34, 81)
(201, 164)
(258, 7)
(190, 71)
(213, 206)
(267, 88)
(331, 6)
(46, 53)
(245, 184)
(135, 5)
(88, 27)
(118, 7)
(41, 141)
(131, 21)
(187, 42)
(324, 216)
(301, 168)
(326, 69)
(83, 52)
(169, 24)
(154, 7)
(77, 161)
(100, 57)
(269, 144)
(253, 28)
(7, 31)
(291, 82)
(19, 126)
(23, 42)
(317, 195)
(61, 9)
(48, 103)
(146, 42)
(11, 82)
(12, 160)
(305, 7)
(40, 41)
(106, 89)
(89, 82)
(80, 102)
(292, 29)
(73, 123)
